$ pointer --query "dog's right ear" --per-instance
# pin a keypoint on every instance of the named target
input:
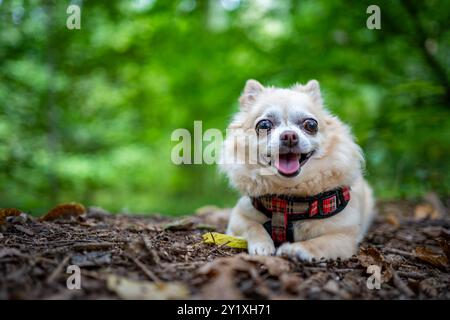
(251, 91)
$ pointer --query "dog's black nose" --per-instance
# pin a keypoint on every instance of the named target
(289, 138)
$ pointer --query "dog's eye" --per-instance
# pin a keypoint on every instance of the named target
(264, 124)
(311, 126)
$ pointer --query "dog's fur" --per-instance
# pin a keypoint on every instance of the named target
(337, 161)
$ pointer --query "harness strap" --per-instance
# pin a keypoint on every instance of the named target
(282, 210)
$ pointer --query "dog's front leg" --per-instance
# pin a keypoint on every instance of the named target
(246, 222)
(341, 244)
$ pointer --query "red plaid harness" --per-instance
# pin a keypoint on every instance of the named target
(283, 210)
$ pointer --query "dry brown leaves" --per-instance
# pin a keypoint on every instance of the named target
(372, 256)
(8, 212)
(428, 255)
(149, 262)
(178, 225)
(426, 211)
(222, 275)
(432, 208)
(393, 220)
(188, 224)
(64, 211)
(445, 245)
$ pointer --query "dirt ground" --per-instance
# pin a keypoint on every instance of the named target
(154, 257)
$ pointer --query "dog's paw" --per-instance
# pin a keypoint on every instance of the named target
(294, 250)
(261, 248)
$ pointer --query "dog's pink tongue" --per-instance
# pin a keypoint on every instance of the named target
(288, 163)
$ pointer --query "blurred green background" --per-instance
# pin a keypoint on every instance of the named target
(87, 115)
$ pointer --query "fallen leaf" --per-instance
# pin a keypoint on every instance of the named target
(445, 245)
(8, 212)
(24, 229)
(276, 266)
(225, 240)
(222, 274)
(154, 227)
(370, 256)
(395, 260)
(387, 274)
(393, 220)
(431, 257)
(425, 211)
(64, 211)
(180, 225)
(144, 290)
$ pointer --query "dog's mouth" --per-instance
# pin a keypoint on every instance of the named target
(289, 164)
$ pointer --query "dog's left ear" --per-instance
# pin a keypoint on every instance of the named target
(312, 88)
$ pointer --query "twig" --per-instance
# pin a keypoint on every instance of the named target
(58, 270)
(401, 285)
(92, 246)
(43, 259)
(343, 270)
(94, 275)
(399, 252)
(318, 269)
(180, 264)
(219, 247)
(154, 256)
(411, 274)
(24, 230)
(144, 269)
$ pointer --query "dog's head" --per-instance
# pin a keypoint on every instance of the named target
(283, 141)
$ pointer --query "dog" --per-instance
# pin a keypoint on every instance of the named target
(305, 197)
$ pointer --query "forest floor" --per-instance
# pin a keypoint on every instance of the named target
(151, 257)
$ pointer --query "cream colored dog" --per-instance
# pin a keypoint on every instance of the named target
(308, 151)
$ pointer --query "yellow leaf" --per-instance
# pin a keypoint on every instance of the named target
(223, 239)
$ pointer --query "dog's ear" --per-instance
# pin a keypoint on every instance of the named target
(312, 88)
(251, 91)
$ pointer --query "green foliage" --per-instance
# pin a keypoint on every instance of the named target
(86, 115)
